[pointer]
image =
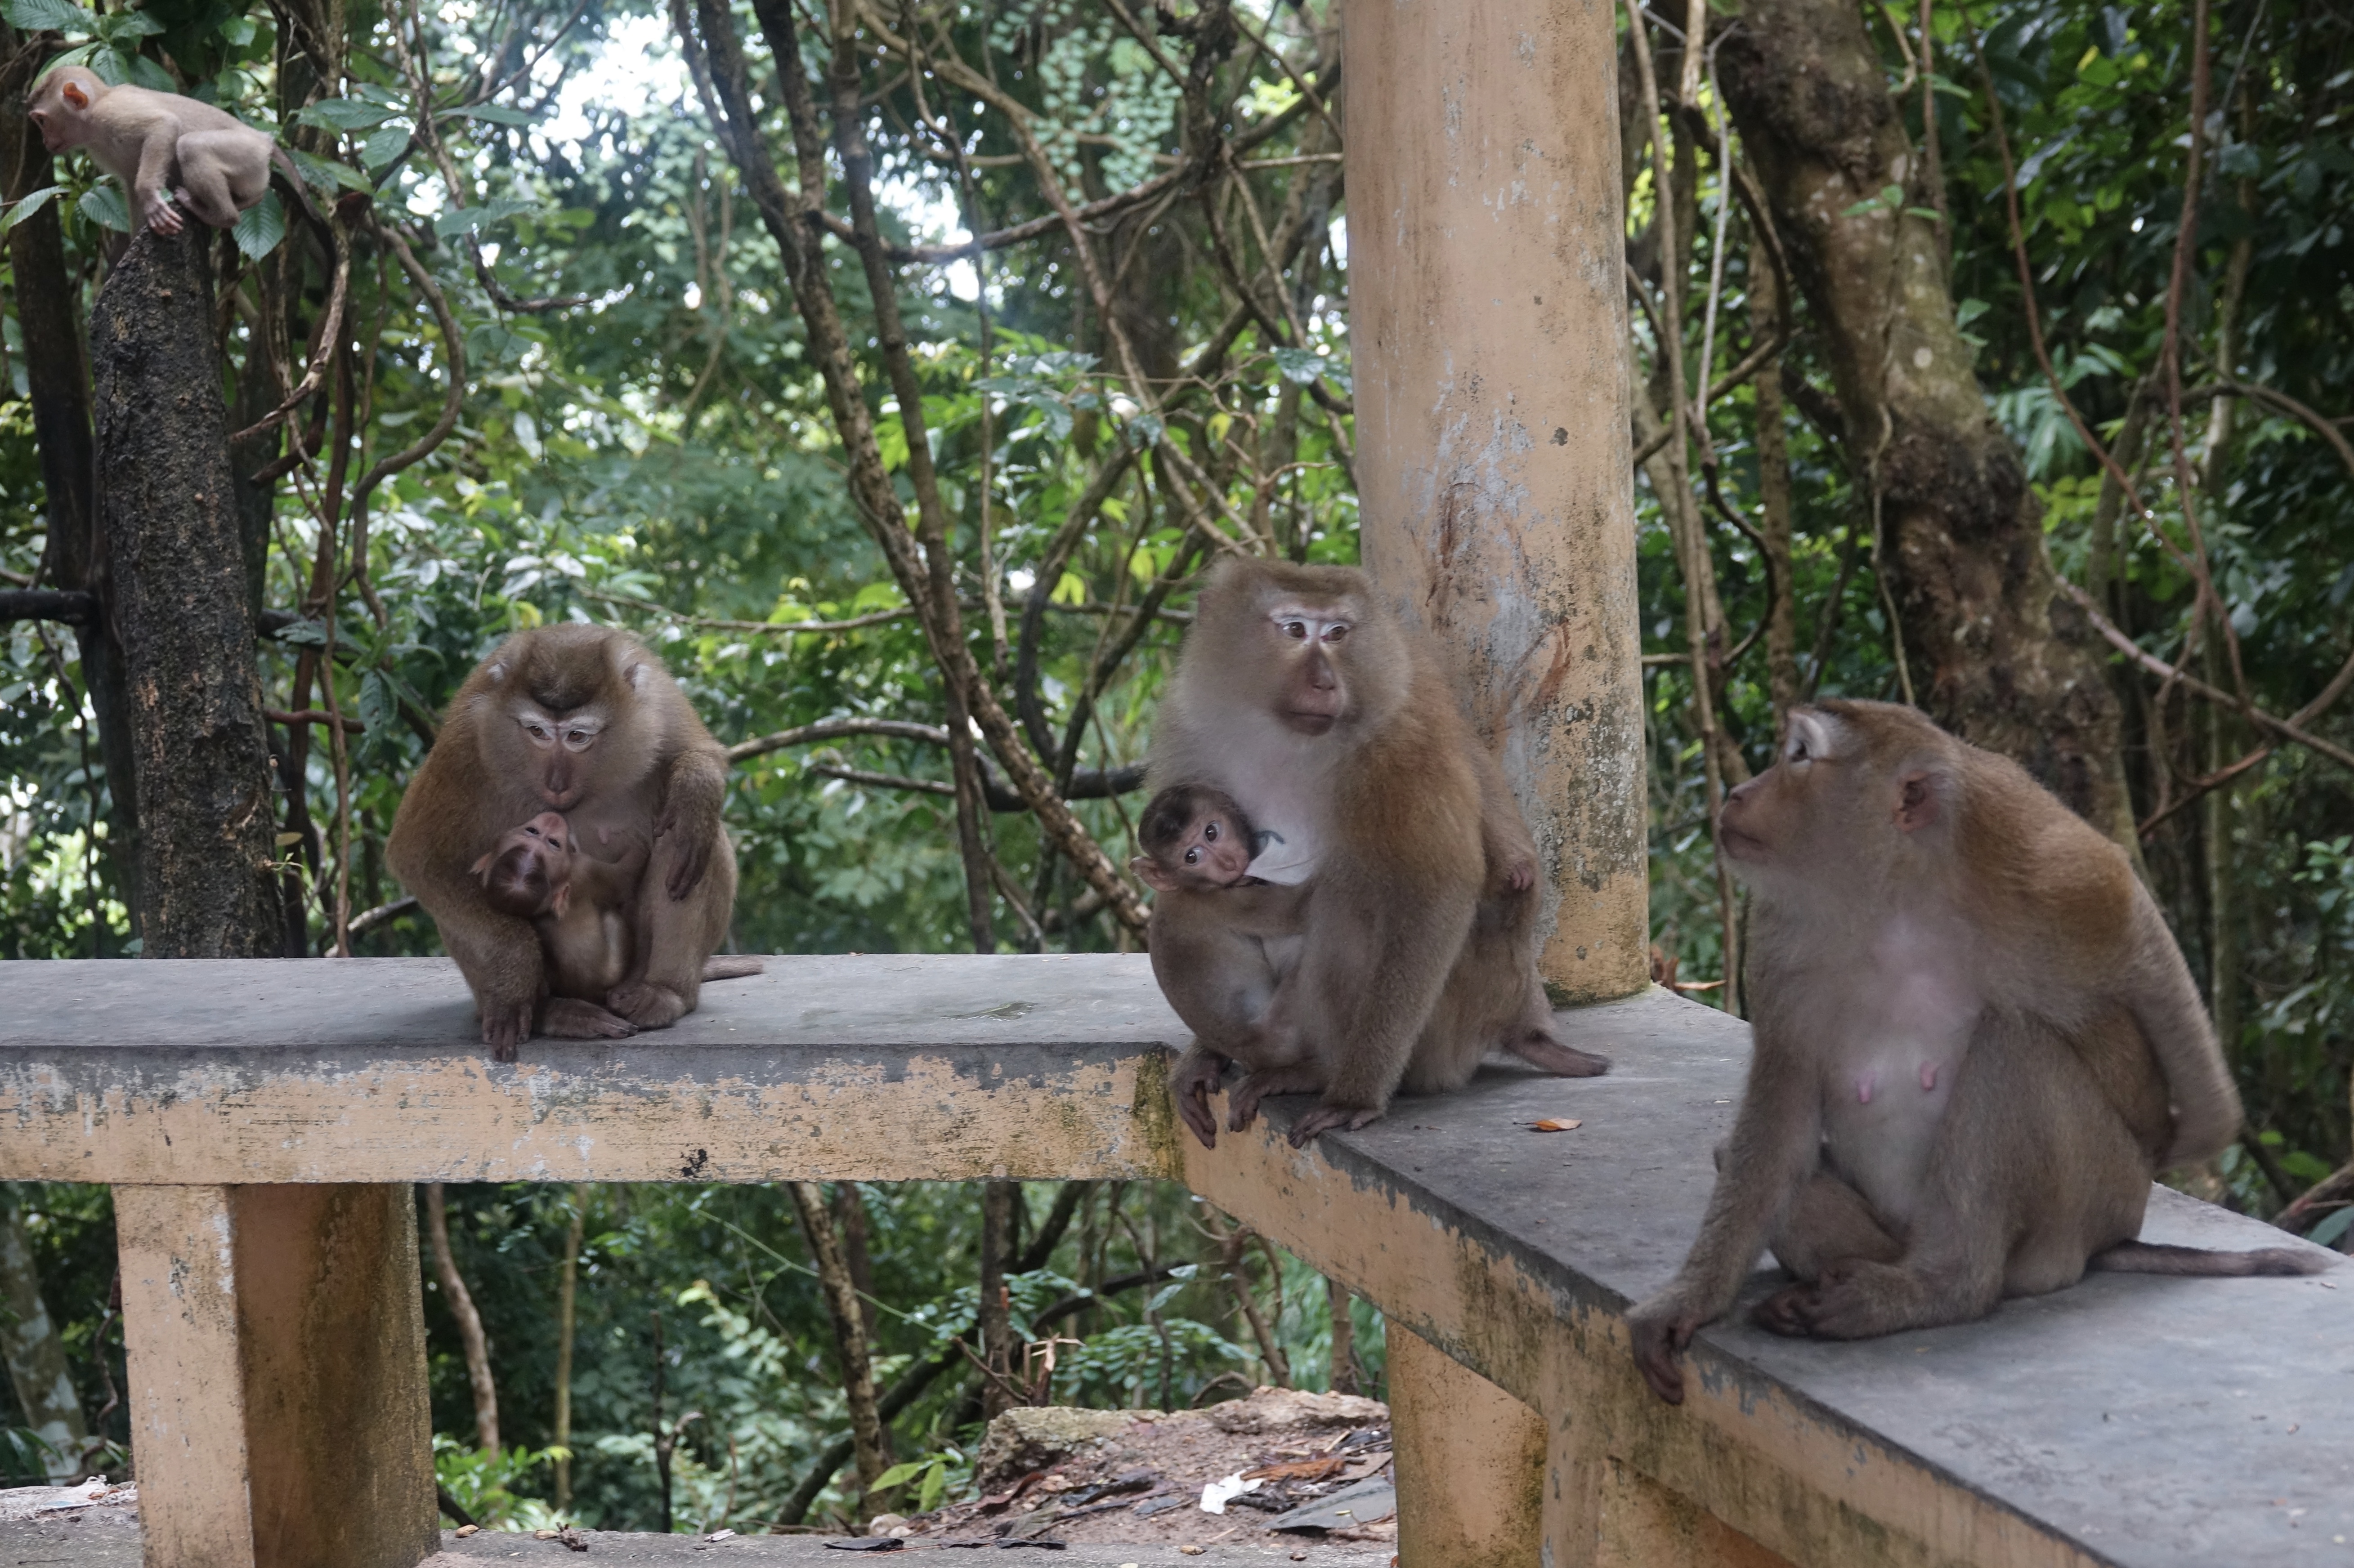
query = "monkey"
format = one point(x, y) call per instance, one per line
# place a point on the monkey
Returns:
point(146, 139)
point(1975, 1045)
point(1220, 939)
point(582, 908)
point(583, 721)
point(1304, 698)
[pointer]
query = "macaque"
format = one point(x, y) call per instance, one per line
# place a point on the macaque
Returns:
point(1221, 939)
point(582, 907)
point(1307, 701)
point(1976, 1043)
point(585, 722)
point(168, 152)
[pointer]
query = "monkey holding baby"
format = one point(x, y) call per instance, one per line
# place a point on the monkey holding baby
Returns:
point(168, 152)
point(1976, 1044)
point(1397, 943)
point(563, 833)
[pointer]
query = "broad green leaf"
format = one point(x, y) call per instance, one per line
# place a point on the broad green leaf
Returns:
point(103, 206)
point(385, 146)
point(903, 1472)
point(1300, 365)
point(377, 705)
point(127, 28)
point(305, 634)
point(260, 227)
point(1145, 431)
point(496, 113)
point(48, 16)
point(109, 65)
point(344, 114)
point(327, 173)
point(475, 219)
point(19, 211)
point(140, 71)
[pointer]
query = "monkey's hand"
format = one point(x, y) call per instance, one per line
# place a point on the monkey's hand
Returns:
point(163, 218)
point(1516, 874)
point(1325, 1119)
point(1661, 1328)
point(1193, 1081)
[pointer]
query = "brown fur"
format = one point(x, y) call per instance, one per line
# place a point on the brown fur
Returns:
point(1419, 951)
point(154, 142)
point(1926, 920)
point(626, 754)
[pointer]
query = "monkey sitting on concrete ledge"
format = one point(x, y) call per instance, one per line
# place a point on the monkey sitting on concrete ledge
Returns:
point(1976, 1043)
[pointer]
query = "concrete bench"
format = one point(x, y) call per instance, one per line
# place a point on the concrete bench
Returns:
point(262, 1120)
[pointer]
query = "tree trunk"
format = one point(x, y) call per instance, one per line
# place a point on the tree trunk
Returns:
point(1345, 1376)
point(1997, 657)
point(176, 567)
point(56, 375)
point(1767, 314)
point(470, 1322)
point(567, 1297)
point(996, 1322)
point(868, 1441)
point(34, 1353)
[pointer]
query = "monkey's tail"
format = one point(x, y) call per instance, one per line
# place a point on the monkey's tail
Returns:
point(2151, 1257)
point(731, 969)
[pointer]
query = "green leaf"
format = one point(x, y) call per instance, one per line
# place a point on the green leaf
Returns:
point(305, 634)
point(903, 1472)
point(239, 31)
point(344, 114)
point(377, 705)
point(103, 206)
point(140, 71)
point(936, 1481)
point(385, 146)
point(109, 65)
point(19, 211)
point(2331, 1228)
point(496, 113)
point(327, 173)
point(48, 16)
point(474, 219)
point(127, 28)
point(260, 227)
point(1300, 365)
point(1145, 431)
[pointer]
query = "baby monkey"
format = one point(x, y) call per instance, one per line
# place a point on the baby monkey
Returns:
point(581, 907)
point(1221, 940)
point(160, 145)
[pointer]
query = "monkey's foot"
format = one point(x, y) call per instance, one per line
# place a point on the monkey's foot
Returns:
point(570, 1018)
point(1242, 1101)
point(1541, 1050)
point(1788, 1312)
point(163, 218)
point(1857, 1298)
point(1324, 1119)
point(647, 1005)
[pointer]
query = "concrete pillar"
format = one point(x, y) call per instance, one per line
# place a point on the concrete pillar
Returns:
point(1487, 336)
point(1469, 1464)
point(276, 1339)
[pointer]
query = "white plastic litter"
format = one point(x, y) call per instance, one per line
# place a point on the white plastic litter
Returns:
point(1218, 1494)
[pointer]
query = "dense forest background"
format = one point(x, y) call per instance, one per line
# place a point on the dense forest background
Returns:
point(895, 369)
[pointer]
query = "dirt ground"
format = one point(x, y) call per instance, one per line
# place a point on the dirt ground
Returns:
point(1137, 1476)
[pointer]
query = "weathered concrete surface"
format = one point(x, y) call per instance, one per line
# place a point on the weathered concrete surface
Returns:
point(2183, 1422)
point(1470, 1460)
point(871, 1069)
point(113, 1542)
point(1487, 315)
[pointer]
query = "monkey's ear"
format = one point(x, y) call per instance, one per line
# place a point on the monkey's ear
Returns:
point(634, 672)
point(482, 867)
point(73, 94)
point(1917, 801)
point(496, 672)
point(563, 897)
point(1148, 872)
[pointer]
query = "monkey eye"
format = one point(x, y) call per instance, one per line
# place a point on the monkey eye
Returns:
point(1210, 832)
point(578, 739)
point(1192, 857)
point(1337, 631)
point(1797, 751)
point(540, 734)
point(1295, 629)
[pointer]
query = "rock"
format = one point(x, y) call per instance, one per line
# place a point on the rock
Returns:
point(1024, 1439)
point(1283, 1409)
point(885, 1523)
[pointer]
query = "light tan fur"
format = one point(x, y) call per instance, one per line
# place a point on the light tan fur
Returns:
point(582, 720)
point(1976, 1044)
point(1306, 700)
point(159, 145)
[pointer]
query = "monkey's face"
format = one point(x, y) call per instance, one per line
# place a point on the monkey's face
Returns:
point(562, 748)
point(1311, 693)
point(529, 872)
point(61, 108)
point(1773, 819)
point(1212, 854)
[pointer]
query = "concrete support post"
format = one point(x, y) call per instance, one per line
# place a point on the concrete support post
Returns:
point(276, 1340)
point(1470, 1460)
point(1488, 335)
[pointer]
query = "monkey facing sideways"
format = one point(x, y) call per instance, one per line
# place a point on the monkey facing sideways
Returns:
point(1305, 700)
point(1976, 1043)
point(161, 146)
point(1220, 941)
point(585, 722)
